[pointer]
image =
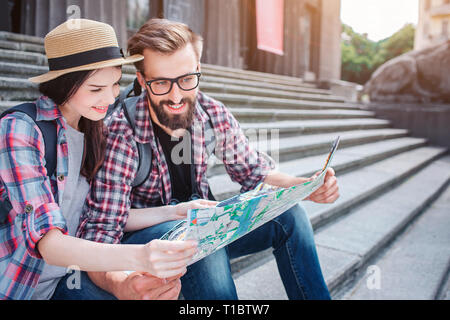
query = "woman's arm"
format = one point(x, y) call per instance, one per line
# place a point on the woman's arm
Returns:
point(143, 218)
point(160, 258)
point(62, 250)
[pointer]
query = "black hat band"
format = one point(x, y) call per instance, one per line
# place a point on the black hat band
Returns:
point(85, 58)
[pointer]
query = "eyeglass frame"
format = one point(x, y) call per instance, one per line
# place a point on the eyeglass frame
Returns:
point(172, 81)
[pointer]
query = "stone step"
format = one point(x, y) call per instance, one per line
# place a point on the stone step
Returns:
point(367, 182)
point(213, 78)
point(301, 127)
point(257, 115)
point(12, 89)
point(28, 44)
point(249, 115)
point(23, 58)
point(216, 76)
point(236, 89)
point(8, 104)
point(346, 159)
point(18, 37)
point(415, 266)
point(244, 101)
point(14, 38)
point(21, 46)
point(347, 244)
point(254, 75)
point(317, 124)
point(25, 71)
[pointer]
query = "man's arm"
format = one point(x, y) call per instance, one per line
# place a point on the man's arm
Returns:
point(327, 193)
point(249, 167)
point(137, 286)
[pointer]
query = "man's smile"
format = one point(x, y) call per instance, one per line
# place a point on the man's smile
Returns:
point(177, 108)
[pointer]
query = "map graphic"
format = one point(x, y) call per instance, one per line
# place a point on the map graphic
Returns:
point(214, 228)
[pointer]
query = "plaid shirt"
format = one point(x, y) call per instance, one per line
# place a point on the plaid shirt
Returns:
point(111, 195)
point(34, 197)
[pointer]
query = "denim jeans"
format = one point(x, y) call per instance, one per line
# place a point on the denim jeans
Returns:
point(290, 235)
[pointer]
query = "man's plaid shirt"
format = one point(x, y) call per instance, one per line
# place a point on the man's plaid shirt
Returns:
point(111, 195)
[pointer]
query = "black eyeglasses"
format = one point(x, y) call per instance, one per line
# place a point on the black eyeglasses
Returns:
point(185, 82)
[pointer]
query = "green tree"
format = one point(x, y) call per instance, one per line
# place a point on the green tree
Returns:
point(399, 43)
point(362, 56)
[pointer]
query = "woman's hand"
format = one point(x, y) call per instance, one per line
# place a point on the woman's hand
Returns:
point(182, 208)
point(164, 259)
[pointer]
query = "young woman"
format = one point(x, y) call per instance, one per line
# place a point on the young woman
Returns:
point(37, 236)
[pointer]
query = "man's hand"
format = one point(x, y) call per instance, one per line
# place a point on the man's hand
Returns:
point(144, 286)
point(329, 191)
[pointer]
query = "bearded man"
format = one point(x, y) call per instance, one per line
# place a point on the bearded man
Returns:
point(169, 111)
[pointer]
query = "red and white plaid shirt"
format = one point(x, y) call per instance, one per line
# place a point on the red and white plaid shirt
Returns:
point(111, 196)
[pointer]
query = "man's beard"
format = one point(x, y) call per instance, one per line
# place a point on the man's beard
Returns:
point(174, 121)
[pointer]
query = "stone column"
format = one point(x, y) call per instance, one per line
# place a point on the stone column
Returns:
point(41, 16)
point(330, 41)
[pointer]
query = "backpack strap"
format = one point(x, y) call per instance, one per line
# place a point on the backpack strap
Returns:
point(144, 149)
point(211, 140)
point(48, 130)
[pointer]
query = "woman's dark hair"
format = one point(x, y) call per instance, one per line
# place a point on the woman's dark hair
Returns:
point(60, 90)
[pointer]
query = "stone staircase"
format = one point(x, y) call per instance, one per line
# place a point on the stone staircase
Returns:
point(388, 180)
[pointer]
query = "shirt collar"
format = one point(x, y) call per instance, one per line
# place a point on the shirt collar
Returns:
point(46, 109)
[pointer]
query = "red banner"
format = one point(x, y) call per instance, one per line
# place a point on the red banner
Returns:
point(270, 25)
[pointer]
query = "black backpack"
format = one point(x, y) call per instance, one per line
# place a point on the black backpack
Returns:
point(48, 130)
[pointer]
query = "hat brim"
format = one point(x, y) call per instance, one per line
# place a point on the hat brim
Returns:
point(93, 66)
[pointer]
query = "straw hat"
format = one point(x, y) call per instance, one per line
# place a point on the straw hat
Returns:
point(81, 44)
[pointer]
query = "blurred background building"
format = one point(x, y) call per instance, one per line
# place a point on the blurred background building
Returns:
point(312, 29)
point(434, 23)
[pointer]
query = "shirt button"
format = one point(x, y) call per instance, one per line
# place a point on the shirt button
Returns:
point(28, 208)
point(61, 177)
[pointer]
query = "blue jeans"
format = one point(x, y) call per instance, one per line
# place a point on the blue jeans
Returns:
point(290, 235)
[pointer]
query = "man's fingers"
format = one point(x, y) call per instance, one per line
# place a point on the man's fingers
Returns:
point(170, 273)
point(326, 192)
point(327, 197)
point(329, 184)
point(172, 293)
point(170, 290)
point(330, 172)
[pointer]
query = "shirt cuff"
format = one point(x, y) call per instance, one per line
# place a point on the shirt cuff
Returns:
point(38, 221)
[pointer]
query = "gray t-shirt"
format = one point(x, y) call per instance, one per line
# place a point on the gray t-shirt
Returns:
point(71, 204)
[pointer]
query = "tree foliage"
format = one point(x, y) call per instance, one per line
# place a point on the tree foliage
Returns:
point(362, 56)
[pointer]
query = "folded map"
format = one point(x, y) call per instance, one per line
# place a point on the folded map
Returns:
point(214, 228)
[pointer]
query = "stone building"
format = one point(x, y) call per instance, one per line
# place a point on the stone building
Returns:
point(311, 29)
point(434, 23)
